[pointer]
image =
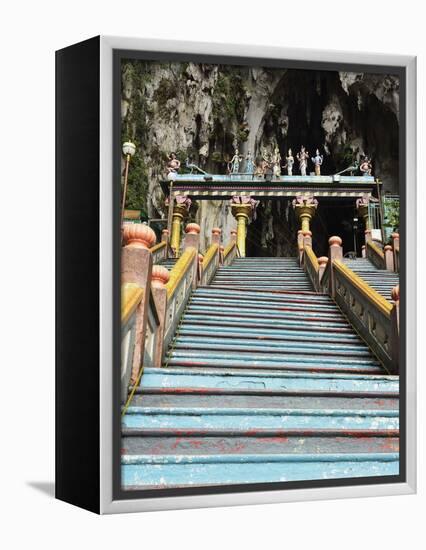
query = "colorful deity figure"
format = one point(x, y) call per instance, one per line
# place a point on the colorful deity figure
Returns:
point(276, 163)
point(317, 160)
point(366, 166)
point(266, 164)
point(302, 157)
point(289, 163)
point(250, 166)
point(172, 166)
point(235, 162)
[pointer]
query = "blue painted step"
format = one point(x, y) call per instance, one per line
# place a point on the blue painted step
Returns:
point(380, 279)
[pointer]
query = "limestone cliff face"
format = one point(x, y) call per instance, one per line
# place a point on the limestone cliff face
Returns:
point(203, 111)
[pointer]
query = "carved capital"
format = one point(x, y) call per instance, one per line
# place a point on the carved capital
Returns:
point(181, 207)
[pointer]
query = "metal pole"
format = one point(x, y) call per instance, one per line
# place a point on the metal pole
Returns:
point(382, 216)
point(126, 175)
point(170, 213)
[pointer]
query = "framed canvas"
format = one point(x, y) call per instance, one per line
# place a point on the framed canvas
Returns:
point(236, 274)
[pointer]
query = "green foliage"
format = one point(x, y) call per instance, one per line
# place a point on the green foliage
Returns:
point(228, 96)
point(391, 214)
point(135, 128)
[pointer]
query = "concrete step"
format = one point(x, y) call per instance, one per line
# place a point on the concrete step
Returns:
point(258, 380)
point(180, 470)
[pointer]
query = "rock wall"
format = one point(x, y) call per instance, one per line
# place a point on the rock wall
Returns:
point(203, 111)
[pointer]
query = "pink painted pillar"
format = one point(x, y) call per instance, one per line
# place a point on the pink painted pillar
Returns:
point(307, 238)
point(322, 265)
point(395, 329)
point(335, 252)
point(395, 246)
point(221, 255)
point(300, 246)
point(159, 277)
point(192, 239)
point(216, 232)
point(389, 260)
point(368, 236)
point(136, 267)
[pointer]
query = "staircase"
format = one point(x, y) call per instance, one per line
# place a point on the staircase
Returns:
point(380, 279)
point(169, 263)
point(265, 381)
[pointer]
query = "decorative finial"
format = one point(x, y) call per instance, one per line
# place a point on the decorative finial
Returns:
point(138, 235)
point(159, 276)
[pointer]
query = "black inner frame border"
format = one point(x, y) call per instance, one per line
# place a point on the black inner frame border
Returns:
point(118, 57)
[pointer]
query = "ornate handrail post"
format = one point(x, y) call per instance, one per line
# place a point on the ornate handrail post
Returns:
point(363, 251)
point(305, 207)
point(136, 267)
point(322, 264)
point(216, 233)
point(242, 208)
point(395, 329)
point(395, 247)
point(180, 213)
point(300, 246)
point(335, 252)
point(221, 255)
point(307, 238)
point(200, 267)
point(159, 277)
point(192, 239)
point(368, 236)
point(389, 259)
point(233, 237)
point(165, 234)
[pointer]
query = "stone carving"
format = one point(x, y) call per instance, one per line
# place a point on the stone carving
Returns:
point(173, 166)
point(276, 163)
point(366, 166)
point(183, 201)
point(305, 200)
point(244, 199)
point(363, 201)
point(302, 156)
point(289, 163)
point(317, 160)
point(250, 166)
point(235, 162)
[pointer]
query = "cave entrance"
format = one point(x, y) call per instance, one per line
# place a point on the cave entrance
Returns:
point(273, 233)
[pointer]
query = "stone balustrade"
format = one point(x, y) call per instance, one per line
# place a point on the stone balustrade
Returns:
point(375, 319)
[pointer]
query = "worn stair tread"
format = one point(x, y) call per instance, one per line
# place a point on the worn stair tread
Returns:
point(213, 400)
point(213, 445)
point(269, 335)
point(240, 319)
point(278, 348)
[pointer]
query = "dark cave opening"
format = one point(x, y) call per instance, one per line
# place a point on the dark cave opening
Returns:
point(274, 231)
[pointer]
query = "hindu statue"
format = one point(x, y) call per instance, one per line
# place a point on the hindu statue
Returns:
point(250, 166)
point(302, 157)
point(289, 163)
point(366, 166)
point(276, 163)
point(317, 161)
point(172, 166)
point(235, 162)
